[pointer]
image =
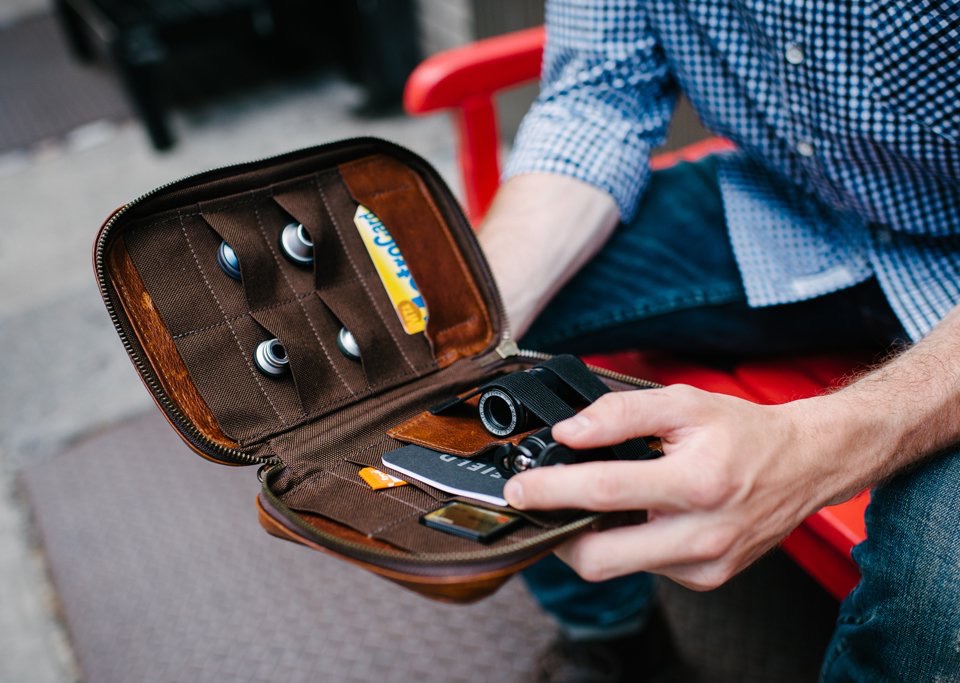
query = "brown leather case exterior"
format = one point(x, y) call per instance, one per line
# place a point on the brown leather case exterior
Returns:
point(191, 330)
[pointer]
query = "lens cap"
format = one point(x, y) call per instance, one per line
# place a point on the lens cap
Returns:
point(228, 261)
point(347, 344)
point(271, 358)
point(296, 244)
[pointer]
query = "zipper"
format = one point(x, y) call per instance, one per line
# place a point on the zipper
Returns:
point(196, 439)
point(193, 435)
point(508, 348)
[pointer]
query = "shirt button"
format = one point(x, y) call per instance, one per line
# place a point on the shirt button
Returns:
point(794, 54)
point(805, 149)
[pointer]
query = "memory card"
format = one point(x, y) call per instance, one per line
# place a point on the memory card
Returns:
point(471, 521)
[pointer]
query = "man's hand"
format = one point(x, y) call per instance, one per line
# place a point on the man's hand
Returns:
point(735, 478)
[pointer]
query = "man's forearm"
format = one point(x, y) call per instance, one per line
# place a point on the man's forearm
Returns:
point(540, 230)
point(898, 414)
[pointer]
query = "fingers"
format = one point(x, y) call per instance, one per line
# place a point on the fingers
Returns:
point(622, 415)
point(602, 486)
point(676, 546)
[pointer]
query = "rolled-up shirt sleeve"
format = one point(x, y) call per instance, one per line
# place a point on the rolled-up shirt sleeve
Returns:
point(605, 100)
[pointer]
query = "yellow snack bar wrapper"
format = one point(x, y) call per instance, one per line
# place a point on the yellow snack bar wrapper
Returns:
point(392, 269)
point(379, 480)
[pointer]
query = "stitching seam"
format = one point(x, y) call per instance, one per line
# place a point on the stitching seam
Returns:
point(246, 360)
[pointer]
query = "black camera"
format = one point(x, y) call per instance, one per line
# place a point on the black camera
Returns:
point(541, 450)
point(503, 413)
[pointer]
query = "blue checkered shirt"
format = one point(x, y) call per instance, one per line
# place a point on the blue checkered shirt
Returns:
point(846, 118)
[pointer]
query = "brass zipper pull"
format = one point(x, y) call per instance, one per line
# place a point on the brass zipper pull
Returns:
point(507, 349)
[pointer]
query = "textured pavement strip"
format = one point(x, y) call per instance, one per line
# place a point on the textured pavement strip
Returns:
point(33, 645)
point(64, 372)
point(185, 586)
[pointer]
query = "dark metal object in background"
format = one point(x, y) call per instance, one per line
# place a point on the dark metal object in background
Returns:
point(155, 46)
point(380, 45)
point(138, 37)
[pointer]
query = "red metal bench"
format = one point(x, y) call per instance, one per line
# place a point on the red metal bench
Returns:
point(464, 82)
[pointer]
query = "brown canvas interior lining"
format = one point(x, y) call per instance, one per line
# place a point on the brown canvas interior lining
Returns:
point(144, 327)
point(217, 322)
point(322, 460)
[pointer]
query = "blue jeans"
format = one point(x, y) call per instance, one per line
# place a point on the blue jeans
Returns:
point(668, 280)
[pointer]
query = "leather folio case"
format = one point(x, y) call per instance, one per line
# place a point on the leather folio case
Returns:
point(191, 331)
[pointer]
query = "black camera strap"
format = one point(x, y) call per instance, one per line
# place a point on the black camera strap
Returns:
point(535, 396)
point(575, 374)
point(527, 388)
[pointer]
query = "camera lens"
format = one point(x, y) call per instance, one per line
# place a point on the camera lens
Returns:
point(228, 261)
point(540, 450)
point(271, 358)
point(501, 414)
point(296, 244)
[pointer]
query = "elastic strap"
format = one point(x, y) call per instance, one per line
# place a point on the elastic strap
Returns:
point(535, 396)
point(575, 374)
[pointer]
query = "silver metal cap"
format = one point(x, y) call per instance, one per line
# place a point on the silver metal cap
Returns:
point(296, 244)
point(271, 358)
point(498, 412)
point(228, 261)
point(347, 344)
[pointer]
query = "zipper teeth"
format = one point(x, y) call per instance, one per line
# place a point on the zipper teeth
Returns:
point(195, 436)
point(610, 374)
point(542, 540)
point(146, 372)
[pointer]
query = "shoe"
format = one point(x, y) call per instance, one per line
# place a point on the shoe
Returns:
point(648, 656)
